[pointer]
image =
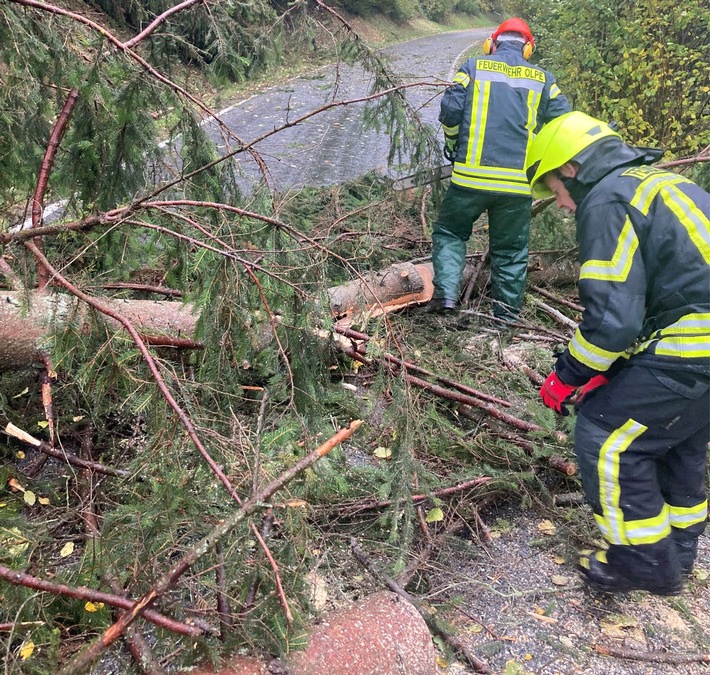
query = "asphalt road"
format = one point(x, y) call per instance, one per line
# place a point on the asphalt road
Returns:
point(333, 146)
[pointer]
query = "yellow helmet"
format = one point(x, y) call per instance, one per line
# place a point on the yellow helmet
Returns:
point(558, 142)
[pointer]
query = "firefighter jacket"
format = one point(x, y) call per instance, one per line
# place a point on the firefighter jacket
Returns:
point(496, 105)
point(644, 281)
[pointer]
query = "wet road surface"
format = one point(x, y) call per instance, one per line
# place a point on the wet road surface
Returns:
point(333, 146)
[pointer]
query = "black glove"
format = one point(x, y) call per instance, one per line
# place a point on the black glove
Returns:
point(451, 147)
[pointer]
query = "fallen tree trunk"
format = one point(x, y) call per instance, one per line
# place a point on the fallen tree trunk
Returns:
point(27, 319)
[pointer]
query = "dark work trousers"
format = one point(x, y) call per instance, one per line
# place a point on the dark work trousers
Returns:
point(642, 443)
point(508, 231)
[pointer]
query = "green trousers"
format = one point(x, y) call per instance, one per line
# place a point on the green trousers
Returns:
point(508, 231)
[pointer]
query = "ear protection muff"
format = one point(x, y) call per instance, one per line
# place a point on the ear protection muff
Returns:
point(489, 47)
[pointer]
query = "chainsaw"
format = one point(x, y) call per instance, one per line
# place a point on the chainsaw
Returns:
point(425, 177)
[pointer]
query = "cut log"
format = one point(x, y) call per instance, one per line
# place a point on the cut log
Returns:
point(27, 319)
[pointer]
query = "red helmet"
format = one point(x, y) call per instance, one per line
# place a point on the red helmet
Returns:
point(514, 26)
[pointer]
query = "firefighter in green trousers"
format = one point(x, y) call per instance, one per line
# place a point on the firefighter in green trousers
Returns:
point(641, 353)
point(489, 116)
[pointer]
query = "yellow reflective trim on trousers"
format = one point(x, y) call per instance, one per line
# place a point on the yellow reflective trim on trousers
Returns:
point(608, 472)
point(451, 131)
point(691, 218)
point(685, 516)
point(462, 78)
point(590, 355)
point(649, 530)
point(618, 268)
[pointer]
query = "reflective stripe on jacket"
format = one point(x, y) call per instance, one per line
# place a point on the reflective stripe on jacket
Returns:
point(495, 107)
point(644, 237)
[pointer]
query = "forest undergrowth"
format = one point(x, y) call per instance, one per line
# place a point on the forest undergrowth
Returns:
point(211, 481)
point(88, 529)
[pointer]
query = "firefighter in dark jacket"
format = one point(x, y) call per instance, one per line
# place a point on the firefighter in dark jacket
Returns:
point(489, 116)
point(641, 353)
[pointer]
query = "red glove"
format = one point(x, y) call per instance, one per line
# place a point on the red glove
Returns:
point(555, 392)
point(597, 381)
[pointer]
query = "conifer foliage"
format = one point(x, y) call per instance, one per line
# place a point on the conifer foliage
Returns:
point(168, 444)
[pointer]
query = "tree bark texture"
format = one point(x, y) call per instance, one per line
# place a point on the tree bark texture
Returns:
point(26, 319)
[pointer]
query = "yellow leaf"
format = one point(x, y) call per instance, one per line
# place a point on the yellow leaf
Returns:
point(43, 500)
point(442, 662)
point(3, 504)
point(435, 515)
point(559, 560)
point(700, 574)
point(93, 606)
point(29, 497)
point(12, 541)
point(43, 424)
point(26, 650)
point(23, 392)
point(20, 454)
point(67, 549)
point(546, 527)
point(78, 418)
point(475, 628)
point(382, 453)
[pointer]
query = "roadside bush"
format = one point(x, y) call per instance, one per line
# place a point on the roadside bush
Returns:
point(642, 64)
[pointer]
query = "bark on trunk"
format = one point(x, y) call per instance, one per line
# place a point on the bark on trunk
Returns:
point(27, 319)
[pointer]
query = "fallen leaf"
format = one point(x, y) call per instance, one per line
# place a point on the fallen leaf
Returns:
point(20, 454)
point(78, 418)
point(620, 626)
point(547, 527)
point(435, 515)
point(15, 485)
point(442, 662)
point(22, 393)
point(26, 650)
point(559, 560)
point(67, 549)
point(93, 606)
point(43, 500)
point(29, 497)
point(43, 424)
point(559, 580)
point(12, 541)
point(475, 628)
point(382, 453)
point(700, 574)
point(294, 503)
